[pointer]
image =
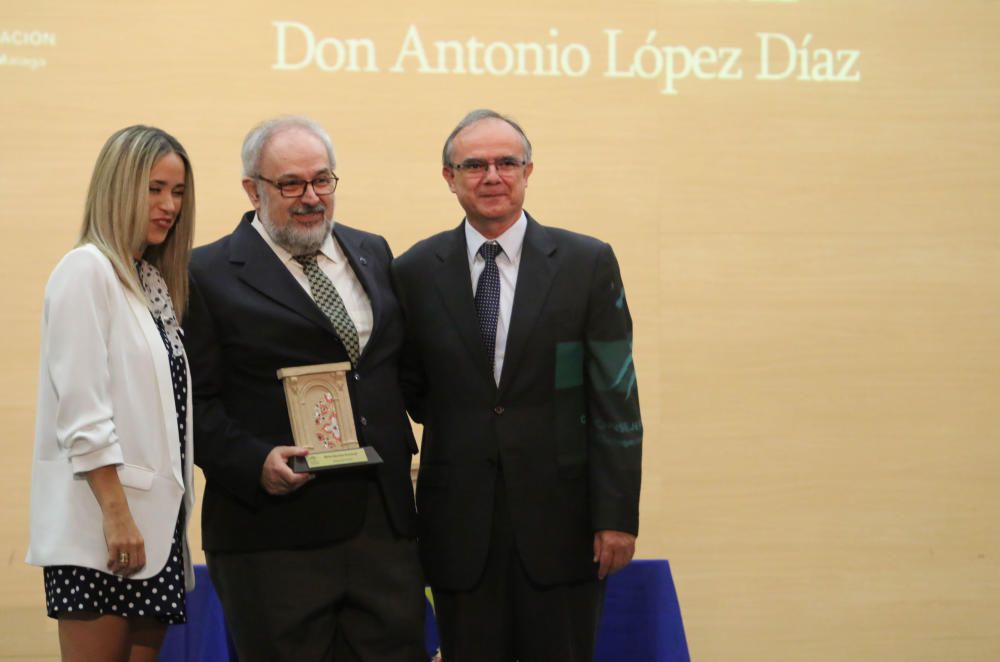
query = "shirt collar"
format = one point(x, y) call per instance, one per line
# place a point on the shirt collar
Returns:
point(510, 241)
point(330, 248)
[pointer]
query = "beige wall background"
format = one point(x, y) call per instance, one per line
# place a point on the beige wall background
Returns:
point(813, 265)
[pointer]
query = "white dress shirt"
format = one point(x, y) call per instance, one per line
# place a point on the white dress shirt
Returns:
point(333, 262)
point(508, 262)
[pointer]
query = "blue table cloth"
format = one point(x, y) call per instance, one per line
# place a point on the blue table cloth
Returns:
point(641, 621)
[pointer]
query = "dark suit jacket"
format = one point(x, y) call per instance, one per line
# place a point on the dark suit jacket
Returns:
point(564, 422)
point(249, 317)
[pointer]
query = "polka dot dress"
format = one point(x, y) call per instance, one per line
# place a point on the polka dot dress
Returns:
point(74, 589)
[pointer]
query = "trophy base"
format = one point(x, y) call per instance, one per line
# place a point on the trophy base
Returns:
point(340, 459)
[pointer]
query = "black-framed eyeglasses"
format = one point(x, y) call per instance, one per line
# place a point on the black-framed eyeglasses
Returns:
point(506, 166)
point(296, 188)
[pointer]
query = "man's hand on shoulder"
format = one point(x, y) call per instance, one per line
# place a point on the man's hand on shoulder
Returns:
point(612, 551)
point(276, 477)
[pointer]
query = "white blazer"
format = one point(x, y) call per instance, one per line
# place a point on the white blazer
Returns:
point(104, 398)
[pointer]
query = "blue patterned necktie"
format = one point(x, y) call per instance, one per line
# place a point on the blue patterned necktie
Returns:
point(488, 299)
point(326, 297)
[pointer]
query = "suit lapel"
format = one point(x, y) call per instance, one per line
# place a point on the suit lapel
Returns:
point(164, 381)
point(359, 256)
point(534, 279)
point(454, 283)
point(263, 271)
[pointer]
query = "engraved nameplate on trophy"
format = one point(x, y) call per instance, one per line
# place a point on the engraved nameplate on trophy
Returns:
point(319, 408)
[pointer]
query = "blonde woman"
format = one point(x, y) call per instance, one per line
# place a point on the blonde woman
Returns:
point(111, 482)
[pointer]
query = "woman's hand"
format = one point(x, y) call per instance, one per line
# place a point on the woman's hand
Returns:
point(126, 547)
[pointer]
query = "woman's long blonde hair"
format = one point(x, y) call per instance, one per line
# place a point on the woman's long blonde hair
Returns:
point(116, 216)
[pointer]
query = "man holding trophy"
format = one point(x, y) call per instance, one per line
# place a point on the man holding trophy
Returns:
point(318, 561)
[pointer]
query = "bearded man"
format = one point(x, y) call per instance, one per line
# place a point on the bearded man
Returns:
point(307, 566)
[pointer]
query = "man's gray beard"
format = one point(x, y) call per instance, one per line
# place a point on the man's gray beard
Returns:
point(295, 240)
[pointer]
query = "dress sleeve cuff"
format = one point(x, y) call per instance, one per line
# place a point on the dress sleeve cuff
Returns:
point(102, 457)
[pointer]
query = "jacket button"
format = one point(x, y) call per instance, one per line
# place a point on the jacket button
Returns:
point(498, 410)
point(364, 421)
point(357, 377)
